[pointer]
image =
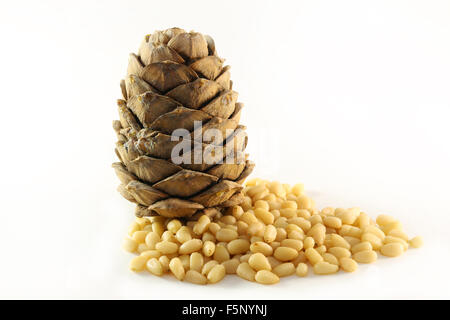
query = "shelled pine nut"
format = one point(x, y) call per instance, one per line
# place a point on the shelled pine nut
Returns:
point(275, 232)
point(323, 268)
point(284, 269)
point(259, 262)
point(246, 272)
point(195, 277)
point(348, 264)
point(216, 274)
point(155, 267)
point(365, 256)
point(416, 242)
point(266, 277)
point(177, 268)
point(393, 249)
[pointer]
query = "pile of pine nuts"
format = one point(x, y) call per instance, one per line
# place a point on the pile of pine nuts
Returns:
point(275, 232)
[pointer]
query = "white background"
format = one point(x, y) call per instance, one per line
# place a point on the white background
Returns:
point(350, 97)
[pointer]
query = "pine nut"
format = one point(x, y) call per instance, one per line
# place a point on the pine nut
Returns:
point(270, 233)
point(129, 245)
point(317, 232)
point(238, 246)
point(242, 227)
point(208, 266)
point(304, 224)
point(392, 226)
point(304, 202)
point(365, 256)
point(245, 257)
point(190, 246)
point(177, 268)
point(363, 220)
point(195, 277)
point(155, 267)
point(296, 235)
point(164, 260)
point(313, 256)
point(226, 235)
point(261, 247)
point(208, 236)
point(315, 219)
point(302, 270)
point(151, 254)
point(185, 261)
point(338, 241)
point(137, 264)
point(221, 254)
point(273, 262)
point(308, 243)
point(416, 242)
point(284, 269)
point(398, 234)
point(339, 252)
point(321, 249)
point(246, 272)
point(324, 268)
point(264, 215)
point(281, 234)
point(142, 247)
point(237, 212)
point(266, 277)
point(168, 236)
point(332, 222)
point(216, 274)
point(383, 219)
point(328, 257)
point(208, 248)
point(393, 249)
point(362, 246)
point(285, 253)
point(347, 230)
point(249, 218)
point(352, 240)
point(348, 264)
point(298, 189)
point(303, 213)
point(373, 239)
point(253, 191)
point(139, 236)
point(174, 225)
point(231, 266)
point(259, 262)
point(213, 228)
point(133, 228)
point(328, 211)
point(262, 204)
point(202, 225)
point(274, 205)
point(196, 262)
point(376, 231)
point(152, 239)
point(166, 247)
point(276, 213)
point(292, 243)
point(183, 234)
point(158, 227)
point(390, 239)
point(228, 220)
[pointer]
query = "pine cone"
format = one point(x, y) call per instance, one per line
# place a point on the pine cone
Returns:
point(177, 81)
